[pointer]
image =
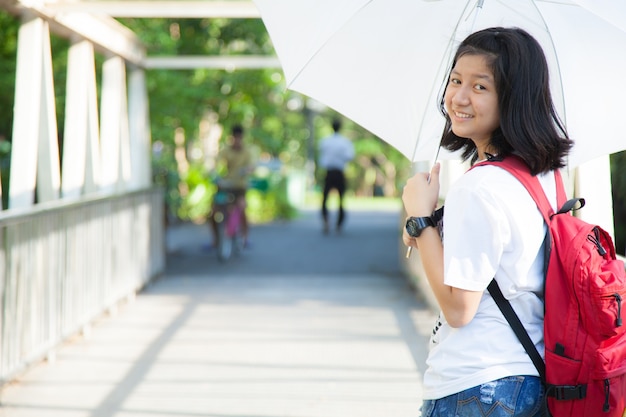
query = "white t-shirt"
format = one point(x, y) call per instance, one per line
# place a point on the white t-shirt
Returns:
point(492, 227)
point(335, 151)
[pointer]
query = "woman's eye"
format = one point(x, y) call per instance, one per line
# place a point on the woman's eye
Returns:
point(455, 81)
point(479, 87)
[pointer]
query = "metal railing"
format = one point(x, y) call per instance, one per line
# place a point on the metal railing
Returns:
point(64, 264)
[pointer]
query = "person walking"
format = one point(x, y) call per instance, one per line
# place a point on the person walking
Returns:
point(335, 152)
point(496, 103)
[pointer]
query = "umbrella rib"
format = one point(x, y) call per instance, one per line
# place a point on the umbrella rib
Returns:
point(322, 47)
point(479, 7)
point(447, 53)
point(558, 68)
point(558, 63)
point(556, 55)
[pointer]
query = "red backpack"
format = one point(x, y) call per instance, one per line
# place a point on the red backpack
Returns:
point(584, 333)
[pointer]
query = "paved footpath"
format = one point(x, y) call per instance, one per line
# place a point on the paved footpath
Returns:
point(302, 325)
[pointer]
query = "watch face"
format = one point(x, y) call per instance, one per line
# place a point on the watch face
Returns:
point(415, 225)
point(411, 227)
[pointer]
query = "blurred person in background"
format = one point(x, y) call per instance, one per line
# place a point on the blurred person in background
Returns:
point(335, 151)
point(235, 163)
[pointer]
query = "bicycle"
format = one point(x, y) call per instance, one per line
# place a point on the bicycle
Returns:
point(227, 217)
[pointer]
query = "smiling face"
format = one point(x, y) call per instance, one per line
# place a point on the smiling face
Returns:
point(471, 101)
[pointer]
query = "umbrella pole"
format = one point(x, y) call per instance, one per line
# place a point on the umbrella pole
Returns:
point(479, 7)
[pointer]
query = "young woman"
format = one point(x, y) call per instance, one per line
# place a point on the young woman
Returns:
point(496, 103)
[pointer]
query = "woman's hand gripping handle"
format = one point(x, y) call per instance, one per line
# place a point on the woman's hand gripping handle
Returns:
point(420, 196)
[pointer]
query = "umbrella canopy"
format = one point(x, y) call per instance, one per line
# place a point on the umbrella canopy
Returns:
point(383, 63)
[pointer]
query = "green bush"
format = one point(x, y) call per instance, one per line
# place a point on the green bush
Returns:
point(618, 181)
point(267, 197)
point(267, 200)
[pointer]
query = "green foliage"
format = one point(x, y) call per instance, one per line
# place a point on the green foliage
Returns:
point(272, 204)
point(276, 120)
point(9, 26)
point(267, 197)
point(618, 182)
point(59, 48)
point(181, 98)
point(197, 203)
point(8, 48)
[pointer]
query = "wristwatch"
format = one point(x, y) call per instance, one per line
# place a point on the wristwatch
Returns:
point(415, 225)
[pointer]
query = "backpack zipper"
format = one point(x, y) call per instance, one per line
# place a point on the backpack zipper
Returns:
point(595, 239)
point(618, 299)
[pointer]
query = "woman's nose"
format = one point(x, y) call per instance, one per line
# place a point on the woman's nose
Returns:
point(460, 96)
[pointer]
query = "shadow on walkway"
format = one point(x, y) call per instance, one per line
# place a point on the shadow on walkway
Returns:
point(302, 324)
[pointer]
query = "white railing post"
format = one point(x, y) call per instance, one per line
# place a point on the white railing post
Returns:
point(35, 152)
point(139, 127)
point(81, 150)
point(114, 136)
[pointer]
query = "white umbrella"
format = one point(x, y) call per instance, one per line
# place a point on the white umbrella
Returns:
point(382, 63)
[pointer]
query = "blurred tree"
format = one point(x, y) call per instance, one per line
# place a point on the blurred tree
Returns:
point(8, 51)
point(181, 99)
point(618, 182)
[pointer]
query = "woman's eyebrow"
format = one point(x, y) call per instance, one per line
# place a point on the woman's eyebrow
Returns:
point(484, 76)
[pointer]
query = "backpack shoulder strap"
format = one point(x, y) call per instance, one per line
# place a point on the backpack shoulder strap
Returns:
point(518, 168)
point(518, 328)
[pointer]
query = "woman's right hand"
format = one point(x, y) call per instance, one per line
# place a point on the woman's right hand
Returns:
point(408, 240)
point(421, 193)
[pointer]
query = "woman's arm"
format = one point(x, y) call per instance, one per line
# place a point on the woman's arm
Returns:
point(420, 197)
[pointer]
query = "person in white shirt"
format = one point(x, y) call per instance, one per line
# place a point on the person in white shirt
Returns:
point(335, 152)
point(497, 103)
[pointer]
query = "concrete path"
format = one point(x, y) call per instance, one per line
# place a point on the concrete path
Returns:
point(302, 325)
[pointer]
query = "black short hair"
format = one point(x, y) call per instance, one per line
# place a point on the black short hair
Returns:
point(237, 130)
point(529, 124)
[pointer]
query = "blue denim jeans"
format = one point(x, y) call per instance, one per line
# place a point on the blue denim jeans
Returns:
point(513, 396)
